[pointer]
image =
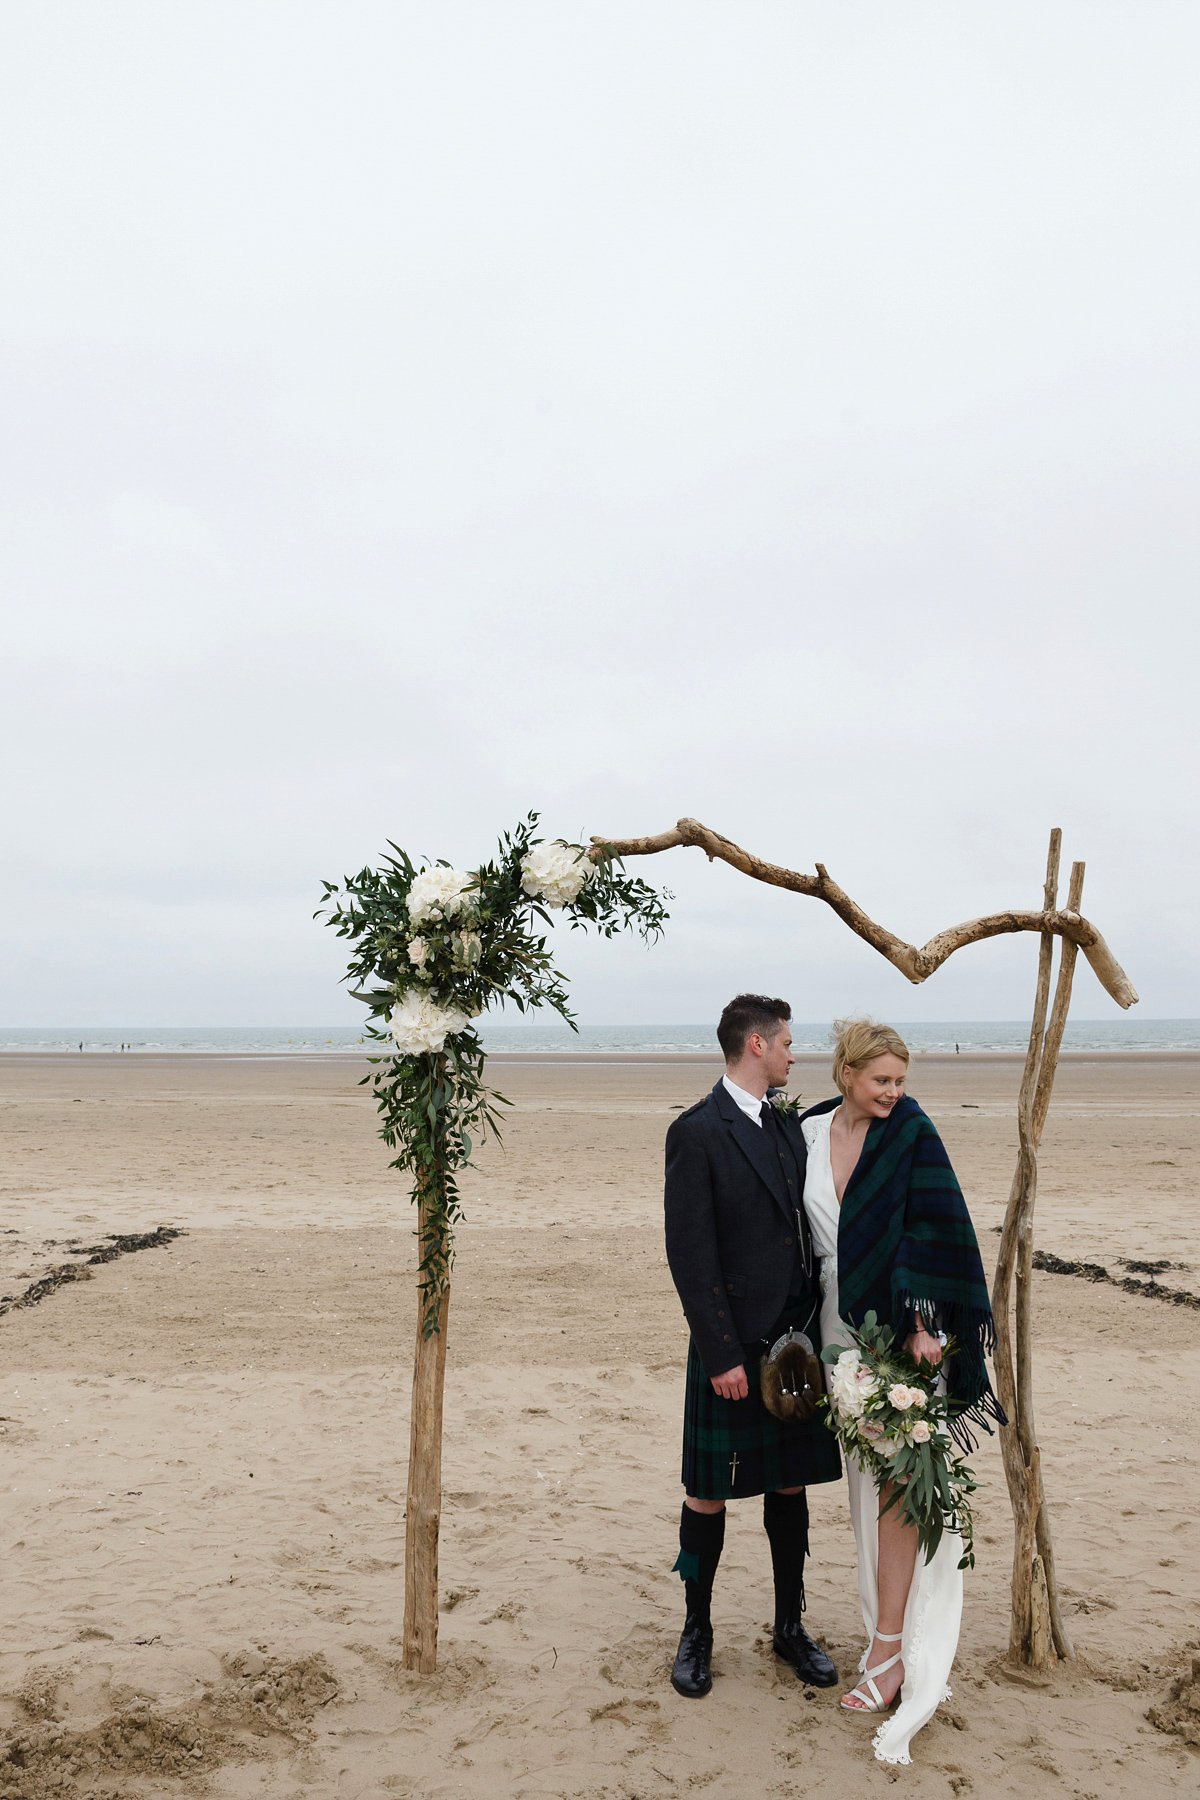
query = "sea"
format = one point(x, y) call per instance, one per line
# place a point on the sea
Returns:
point(1098, 1035)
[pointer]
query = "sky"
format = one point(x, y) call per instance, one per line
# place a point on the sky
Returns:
point(775, 413)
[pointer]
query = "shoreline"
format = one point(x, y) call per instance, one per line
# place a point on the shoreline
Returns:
point(575, 1058)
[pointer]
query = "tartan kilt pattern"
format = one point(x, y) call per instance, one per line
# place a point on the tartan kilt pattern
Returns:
point(770, 1454)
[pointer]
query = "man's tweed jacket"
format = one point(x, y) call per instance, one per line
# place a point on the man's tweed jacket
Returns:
point(731, 1220)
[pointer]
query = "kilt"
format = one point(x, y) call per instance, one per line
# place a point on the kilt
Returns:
point(770, 1453)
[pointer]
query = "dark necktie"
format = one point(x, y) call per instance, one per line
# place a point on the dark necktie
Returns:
point(770, 1125)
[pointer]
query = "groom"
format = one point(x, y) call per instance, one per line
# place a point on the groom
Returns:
point(741, 1258)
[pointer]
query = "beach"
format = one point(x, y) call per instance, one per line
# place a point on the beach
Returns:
point(205, 1448)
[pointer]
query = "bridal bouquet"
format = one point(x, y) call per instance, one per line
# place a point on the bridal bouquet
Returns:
point(887, 1415)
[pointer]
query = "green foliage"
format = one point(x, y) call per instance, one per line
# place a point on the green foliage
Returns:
point(483, 946)
point(929, 1482)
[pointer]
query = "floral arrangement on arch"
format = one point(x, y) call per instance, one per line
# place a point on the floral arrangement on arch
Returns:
point(434, 947)
point(887, 1413)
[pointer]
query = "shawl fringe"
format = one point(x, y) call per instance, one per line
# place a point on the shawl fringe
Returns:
point(986, 1408)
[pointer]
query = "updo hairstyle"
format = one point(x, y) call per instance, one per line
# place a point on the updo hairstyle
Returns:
point(860, 1041)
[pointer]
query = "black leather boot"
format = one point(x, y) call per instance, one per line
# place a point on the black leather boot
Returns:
point(692, 1671)
point(785, 1517)
point(701, 1538)
point(810, 1662)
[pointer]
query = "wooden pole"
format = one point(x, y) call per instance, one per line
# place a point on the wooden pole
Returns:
point(422, 1513)
point(1037, 1629)
point(1041, 1105)
point(1022, 1475)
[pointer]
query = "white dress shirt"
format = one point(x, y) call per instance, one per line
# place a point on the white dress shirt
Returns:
point(750, 1104)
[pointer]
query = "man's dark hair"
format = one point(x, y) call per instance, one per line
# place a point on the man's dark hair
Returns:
point(747, 1014)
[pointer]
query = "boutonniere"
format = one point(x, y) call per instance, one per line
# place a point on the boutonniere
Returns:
point(785, 1104)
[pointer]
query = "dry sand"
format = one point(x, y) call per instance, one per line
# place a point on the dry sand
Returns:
point(204, 1452)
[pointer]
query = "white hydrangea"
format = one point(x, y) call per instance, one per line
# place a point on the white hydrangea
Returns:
point(418, 1024)
point(437, 894)
point(853, 1385)
point(556, 873)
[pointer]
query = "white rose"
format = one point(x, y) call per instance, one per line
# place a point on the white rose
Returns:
point(901, 1397)
point(418, 950)
point(419, 1025)
point(921, 1432)
point(917, 1395)
point(556, 873)
point(437, 894)
point(887, 1446)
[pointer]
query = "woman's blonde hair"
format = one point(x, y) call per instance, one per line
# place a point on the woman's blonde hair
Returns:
point(860, 1041)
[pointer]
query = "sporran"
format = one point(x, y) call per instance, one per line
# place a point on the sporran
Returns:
point(789, 1378)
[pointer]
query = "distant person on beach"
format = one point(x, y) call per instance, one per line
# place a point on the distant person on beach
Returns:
point(741, 1257)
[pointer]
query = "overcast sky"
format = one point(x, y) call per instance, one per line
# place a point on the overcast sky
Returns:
point(784, 414)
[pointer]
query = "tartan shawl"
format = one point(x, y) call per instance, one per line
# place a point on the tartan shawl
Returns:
point(907, 1251)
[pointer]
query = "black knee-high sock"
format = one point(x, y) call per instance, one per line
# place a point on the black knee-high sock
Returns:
point(785, 1517)
point(701, 1538)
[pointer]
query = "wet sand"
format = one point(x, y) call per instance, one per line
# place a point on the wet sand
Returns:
point(205, 1447)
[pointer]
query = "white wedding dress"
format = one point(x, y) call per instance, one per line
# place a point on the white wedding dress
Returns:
point(934, 1610)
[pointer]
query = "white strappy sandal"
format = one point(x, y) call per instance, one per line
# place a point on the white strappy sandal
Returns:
point(874, 1702)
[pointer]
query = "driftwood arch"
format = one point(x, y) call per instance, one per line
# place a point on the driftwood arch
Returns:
point(917, 965)
point(1037, 1633)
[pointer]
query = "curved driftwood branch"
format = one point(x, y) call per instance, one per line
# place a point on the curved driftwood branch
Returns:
point(916, 964)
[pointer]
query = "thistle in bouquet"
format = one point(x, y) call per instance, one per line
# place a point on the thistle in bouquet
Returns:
point(888, 1415)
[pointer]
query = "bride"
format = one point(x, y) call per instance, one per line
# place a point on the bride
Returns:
point(891, 1227)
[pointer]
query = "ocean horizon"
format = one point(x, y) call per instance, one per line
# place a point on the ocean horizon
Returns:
point(1098, 1035)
